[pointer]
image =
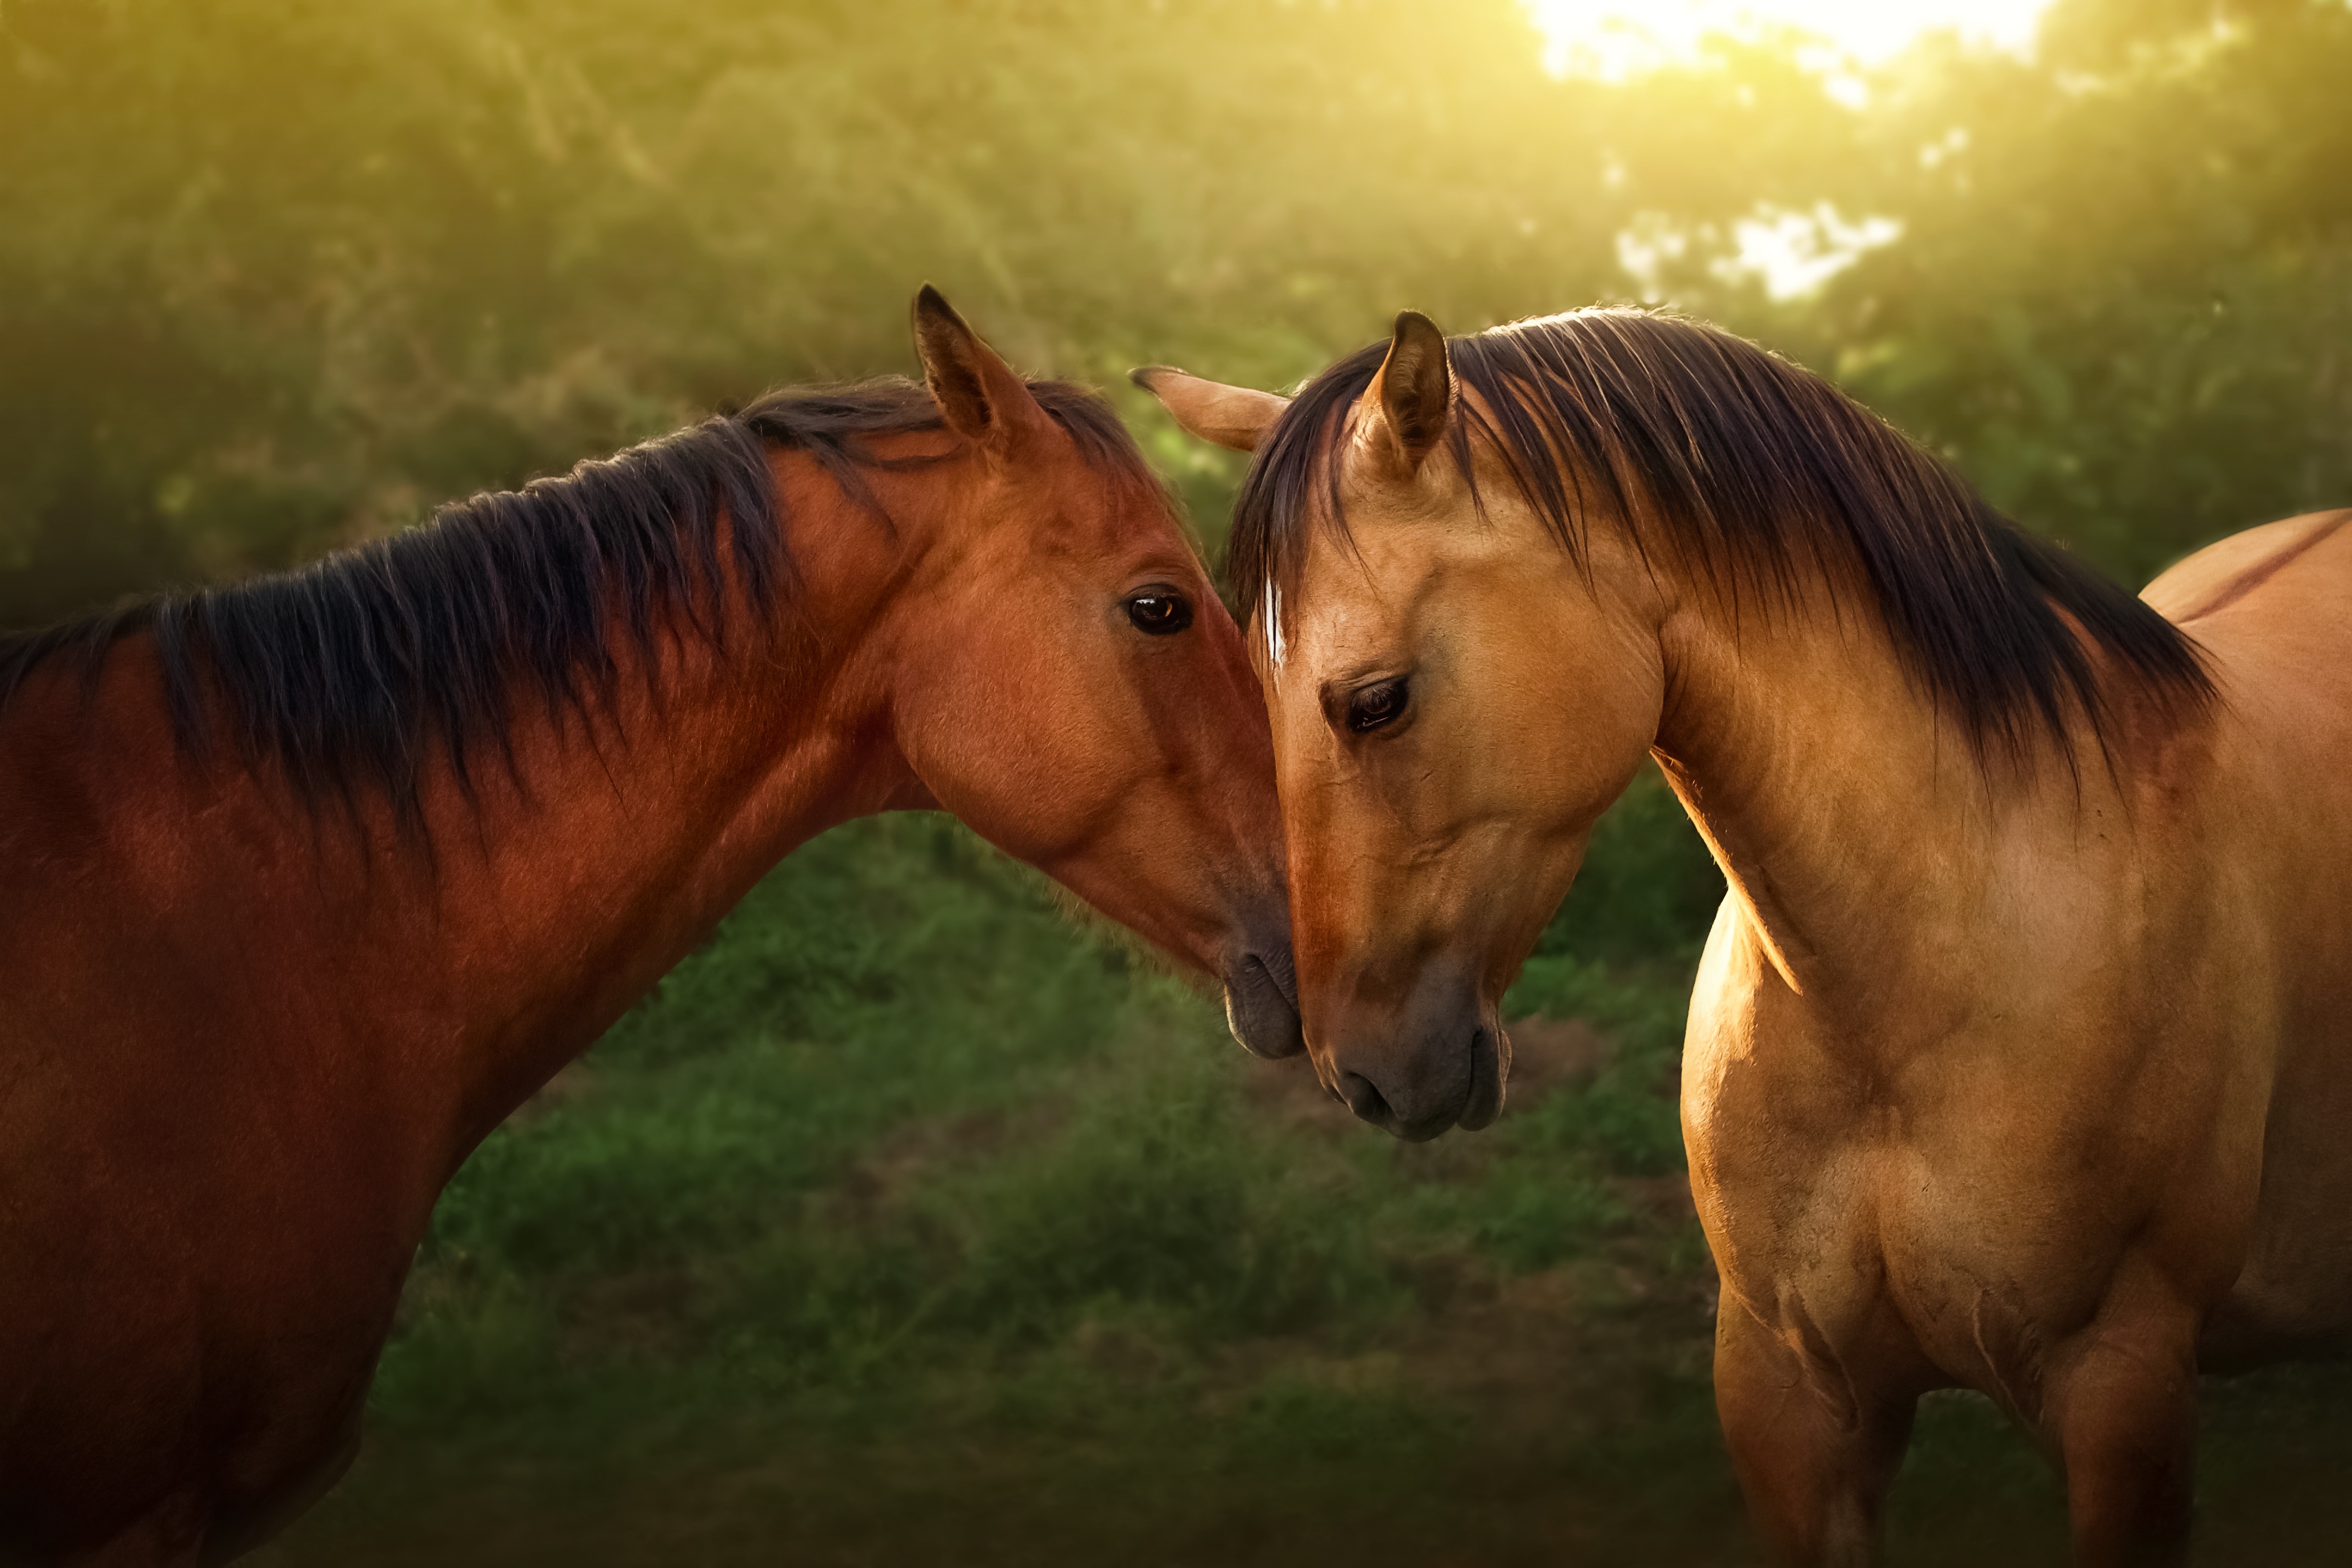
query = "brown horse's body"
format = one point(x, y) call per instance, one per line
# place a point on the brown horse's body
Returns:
point(2020, 1056)
point(242, 1045)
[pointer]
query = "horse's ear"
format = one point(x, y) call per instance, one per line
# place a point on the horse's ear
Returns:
point(979, 396)
point(1414, 391)
point(1234, 417)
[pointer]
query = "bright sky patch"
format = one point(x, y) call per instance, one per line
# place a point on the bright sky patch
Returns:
point(1616, 38)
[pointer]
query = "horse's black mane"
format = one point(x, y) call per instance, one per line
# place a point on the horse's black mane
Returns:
point(349, 670)
point(1749, 463)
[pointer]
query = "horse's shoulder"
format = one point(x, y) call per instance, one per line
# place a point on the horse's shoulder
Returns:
point(1728, 970)
point(1733, 1000)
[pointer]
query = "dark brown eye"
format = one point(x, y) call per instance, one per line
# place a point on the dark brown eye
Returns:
point(1159, 613)
point(1375, 705)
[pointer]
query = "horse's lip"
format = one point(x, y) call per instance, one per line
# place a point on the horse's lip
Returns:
point(1489, 1071)
point(1285, 974)
point(1481, 1102)
point(1262, 1000)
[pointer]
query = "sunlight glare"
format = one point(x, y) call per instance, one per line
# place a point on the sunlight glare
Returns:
point(1616, 38)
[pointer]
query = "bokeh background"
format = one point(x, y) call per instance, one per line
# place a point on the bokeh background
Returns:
point(909, 1223)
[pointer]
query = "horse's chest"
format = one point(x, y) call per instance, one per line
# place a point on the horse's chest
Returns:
point(1784, 1165)
point(1840, 1202)
point(1840, 1242)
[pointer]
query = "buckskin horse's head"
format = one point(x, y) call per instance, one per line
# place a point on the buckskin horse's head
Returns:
point(1410, 626)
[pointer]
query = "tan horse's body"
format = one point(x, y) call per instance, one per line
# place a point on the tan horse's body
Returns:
point(2019, 1066)
point(2042, 1097)
point(242, 1048)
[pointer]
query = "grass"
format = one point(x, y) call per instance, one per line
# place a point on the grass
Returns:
point(905, 1224)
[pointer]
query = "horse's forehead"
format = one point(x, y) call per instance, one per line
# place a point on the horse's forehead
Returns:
point(1377, 595)
point(1061, 500)
point(1045, 482)
point(1384, 554)
point(1348, 610)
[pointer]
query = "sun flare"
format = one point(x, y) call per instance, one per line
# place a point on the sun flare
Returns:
point(1615, 38)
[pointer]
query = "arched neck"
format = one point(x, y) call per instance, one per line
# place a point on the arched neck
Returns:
point(1853, 821)
point(556, 897)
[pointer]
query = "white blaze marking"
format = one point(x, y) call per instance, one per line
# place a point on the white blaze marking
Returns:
point(1270, 612)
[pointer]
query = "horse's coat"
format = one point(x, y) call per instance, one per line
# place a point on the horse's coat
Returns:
point(263, 987)
point(2020, 1055)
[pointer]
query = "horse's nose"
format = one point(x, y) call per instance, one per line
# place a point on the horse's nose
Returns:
point(1414, 1107)
point(1262, 1000)
point(1445, 1072)
point(1365, 1098)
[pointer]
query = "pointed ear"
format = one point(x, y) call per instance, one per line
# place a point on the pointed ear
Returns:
point(1234, 417)
point(979, 396)
point(1413, 391)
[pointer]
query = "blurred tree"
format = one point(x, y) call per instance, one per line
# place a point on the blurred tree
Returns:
point(2122, 300)
point(276, 274)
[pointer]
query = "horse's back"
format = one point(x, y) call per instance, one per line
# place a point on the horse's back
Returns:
point(2272, 607)
point(2259, 599)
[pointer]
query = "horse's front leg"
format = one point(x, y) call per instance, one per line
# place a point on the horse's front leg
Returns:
point(2123, 1413)
point(1814, 1438)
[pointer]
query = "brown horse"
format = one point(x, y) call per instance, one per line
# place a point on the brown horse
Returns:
point(2020, 1056)
point(311, 881)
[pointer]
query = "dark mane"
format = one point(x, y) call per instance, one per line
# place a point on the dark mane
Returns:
point(1742, 464)
point(349, 671)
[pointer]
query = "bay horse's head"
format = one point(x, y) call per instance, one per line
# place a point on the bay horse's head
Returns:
point(1073, 687)
point(1418, 630)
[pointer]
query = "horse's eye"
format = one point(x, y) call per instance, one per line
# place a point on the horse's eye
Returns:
point(1160, 613)
point(1375, 705)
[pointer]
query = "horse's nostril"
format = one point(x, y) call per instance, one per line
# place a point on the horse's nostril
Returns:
point(1363, 1098)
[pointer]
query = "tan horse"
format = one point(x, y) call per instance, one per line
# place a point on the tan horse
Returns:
point(2020, 1056)
point(440, 810)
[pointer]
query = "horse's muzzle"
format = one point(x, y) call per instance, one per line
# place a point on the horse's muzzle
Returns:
point(1445, 1069)
point(1262, 1002)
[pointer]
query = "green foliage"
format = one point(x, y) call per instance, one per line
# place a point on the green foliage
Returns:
point(1547, 1216)
point(2121, 300)
point(262, 291)
point(1647, 888)
point(1155, 1197)
point(784, 1044)
point(2140, 343)
point(899, 1153)
point(897, 1116)
point(818, 1274)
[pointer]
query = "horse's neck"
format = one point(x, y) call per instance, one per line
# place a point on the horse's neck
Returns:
point(561, 892)
point(1860, 837)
